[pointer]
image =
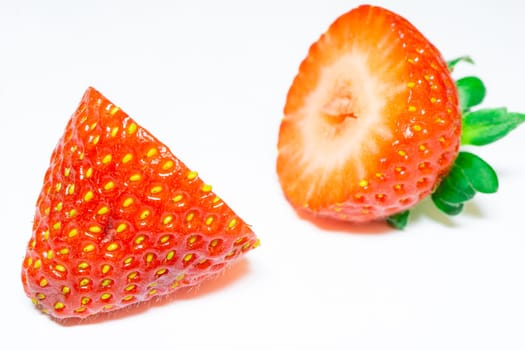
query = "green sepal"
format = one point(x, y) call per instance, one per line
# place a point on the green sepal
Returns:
point(447, 208)
point(452, 63)
point(455, 188)
point(471, 92)
point(480, 174)
point(485, 126)
point(468, 175)
point(399, 220)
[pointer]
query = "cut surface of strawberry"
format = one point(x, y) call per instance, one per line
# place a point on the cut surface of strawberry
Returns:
point(371, 122)
point(121, 220)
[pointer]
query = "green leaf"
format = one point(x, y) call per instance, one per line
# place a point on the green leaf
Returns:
point(471, 92)
point(485, 126)
point(480, 174)
point(455, 188)
point(447, 208)
point(399, 220)
point(452, 63)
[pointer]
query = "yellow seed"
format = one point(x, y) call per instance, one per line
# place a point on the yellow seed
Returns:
point(127, 298)
point(95, 140)
point(363, 183)
point(179, 277)
point(164, 238)
point(67, 171)
point(49, 254)
point(57, 225)
point(66, 290)
point(121, 227)
point(422, 148)
point(40, 296)
point(145, 213)
point(114, 131)
point(59, 206)
point(38, 264)
point(130, 287)
point(88, 248)
point(411, 84)
point(72, 233)
point(105, 268)
point(190, 216)
point(232, 223)
point(112, 247)
point(107, 159)
point(109, 185)
point(192, 175)
point(93, 126)
point(84, 282)
point(216, 199)
point(95, 229)
point(187, 257)
point(412, 108)
point(59, 305)
point(153, 291)
point(132, 276)
point(174, 285)
point(209, 220)
point(152, 152)
point(160, 272)
point(149, 257)
point(167, 219)
point(72, 213)
point(85, 300)
point(127, 158)
point(156, 189)
point(417, 127)
point(139, 239)
point(114, 110)
point(43, 282)
point(71, 189)
point(127, 202)
point(168, 165)
point(402, 153)
point(58, 186)
point(46, 235)
point(135, 177)
point(88, 196)
point(206, 188)
point(47, 211)
point(80, 310)
point(433, 100)
point(82, 265)
point(177, 198)
point(128, 260)
point(106, 282)
point(103, 210)
point(60, 268)
point(214, 243)
point(132, 128)
point(81, 156)
point(89, 172)
point(398, 187)
point(170, 255)
point(257, 243)
point(192, 239)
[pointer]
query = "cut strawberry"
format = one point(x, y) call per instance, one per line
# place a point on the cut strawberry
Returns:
point(371, 120)
point(120, 219)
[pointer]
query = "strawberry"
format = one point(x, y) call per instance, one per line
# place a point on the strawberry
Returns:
point(121, 220)
point(373, 124)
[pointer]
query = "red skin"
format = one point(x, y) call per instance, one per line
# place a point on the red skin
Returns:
point(120, 219)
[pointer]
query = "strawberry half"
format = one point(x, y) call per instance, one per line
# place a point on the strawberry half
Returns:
point(120, 219)
point(373, 124)
point(371, 121)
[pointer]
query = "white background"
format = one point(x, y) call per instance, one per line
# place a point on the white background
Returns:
point(209, 78)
